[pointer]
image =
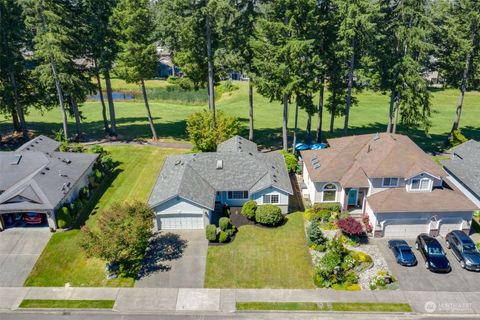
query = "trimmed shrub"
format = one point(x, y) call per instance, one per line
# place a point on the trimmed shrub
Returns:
point(78, 205)
point(457, 138)
point(249, 209)
point(332, 206)
point(350, 226)
point(315, 234)
point(98, 175)
point(223, 237)
point(224, 223)
point(290, 161)
point(64, 218)
point(97, 149)
point(230, 232)
point(211, 232)
point(269, 215)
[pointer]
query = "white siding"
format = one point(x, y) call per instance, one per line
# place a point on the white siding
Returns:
point(376, 184)
point(178, 205)
point(282, 196)
point(319, 194)
point(423, 176)
point(312, 191)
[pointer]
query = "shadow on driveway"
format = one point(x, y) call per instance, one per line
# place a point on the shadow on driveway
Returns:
point(174, 259)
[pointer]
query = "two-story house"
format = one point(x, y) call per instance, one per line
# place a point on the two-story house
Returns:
point(390, 179)
point(191, 187)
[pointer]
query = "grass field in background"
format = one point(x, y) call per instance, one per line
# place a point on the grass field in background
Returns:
point(67, 304)
point(369, 116)
point(63, 261)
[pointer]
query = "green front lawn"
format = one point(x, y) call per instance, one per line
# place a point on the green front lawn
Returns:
point(369, 116)
point(62, 260)
point(67, 304)
point(262, 258)
point(331, 306)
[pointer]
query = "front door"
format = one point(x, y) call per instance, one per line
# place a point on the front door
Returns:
point(352, 197)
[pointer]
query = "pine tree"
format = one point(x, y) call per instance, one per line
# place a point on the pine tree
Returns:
point(13, 38)
point(459, 49)
point(137, 59)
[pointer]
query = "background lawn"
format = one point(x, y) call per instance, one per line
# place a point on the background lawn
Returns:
point(369, 116)
point(62, 260)
point(262, 258)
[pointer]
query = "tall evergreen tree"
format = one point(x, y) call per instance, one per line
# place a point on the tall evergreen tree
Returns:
point(137, 59)
point(459, 48)
point(12, 64)
point(101, 50)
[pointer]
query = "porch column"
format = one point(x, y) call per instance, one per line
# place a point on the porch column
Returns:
point(52, 223)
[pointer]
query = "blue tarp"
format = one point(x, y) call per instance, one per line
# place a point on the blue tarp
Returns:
point(315, 146)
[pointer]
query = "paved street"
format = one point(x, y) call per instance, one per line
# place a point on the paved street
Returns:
point(175, 260)
point(418, 278)
point(19, 250)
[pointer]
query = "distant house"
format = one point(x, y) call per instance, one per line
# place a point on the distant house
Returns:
point(464, 169)
point(389, 179)
point(36, 178)
point(191, 187)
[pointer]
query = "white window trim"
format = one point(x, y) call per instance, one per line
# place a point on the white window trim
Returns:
point(389, 185)
point(270, 198)
point(429, 187)
point(323, 192)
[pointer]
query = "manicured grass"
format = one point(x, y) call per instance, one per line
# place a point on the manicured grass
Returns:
point(68, 304)
point(63, 261)
point(262, 258)
point(333, 306)
point(369, 116)
point(282, 306)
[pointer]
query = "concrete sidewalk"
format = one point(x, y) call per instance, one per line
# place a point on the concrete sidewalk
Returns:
point(152, 300)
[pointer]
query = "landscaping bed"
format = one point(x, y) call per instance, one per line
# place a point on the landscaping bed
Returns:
point(341, 260)
point(330, 306)
point(66, 304)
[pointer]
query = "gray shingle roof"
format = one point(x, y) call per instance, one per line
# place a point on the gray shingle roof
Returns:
point(196, 177)
point(40, 143)
point(36, 181)
point(465, 165)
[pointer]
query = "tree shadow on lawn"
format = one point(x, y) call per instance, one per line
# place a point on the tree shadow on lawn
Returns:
point(163, 248)
point(128, 128)
point(272, 137)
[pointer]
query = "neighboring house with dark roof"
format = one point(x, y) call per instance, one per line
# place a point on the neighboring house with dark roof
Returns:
point(191, 187)
point(36, 178)
point(464, 169)
point(391, 180)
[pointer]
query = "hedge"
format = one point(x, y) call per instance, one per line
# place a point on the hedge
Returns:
point(332, 206)
point(224, 223)
point(269, 215)
point(211, 232)
point(64, 218)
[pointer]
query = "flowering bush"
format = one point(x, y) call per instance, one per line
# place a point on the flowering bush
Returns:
point(350, 226)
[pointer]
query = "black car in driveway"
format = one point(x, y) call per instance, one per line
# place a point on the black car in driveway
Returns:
point(402, 252)
point(432, 252)
point(464, 250)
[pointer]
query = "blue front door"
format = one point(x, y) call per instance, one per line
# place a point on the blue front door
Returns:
point(352, 197)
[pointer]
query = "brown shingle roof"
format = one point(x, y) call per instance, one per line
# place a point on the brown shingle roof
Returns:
point(377, 155)
point(447, 199)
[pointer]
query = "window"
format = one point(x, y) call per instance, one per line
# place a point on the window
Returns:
point(237, 194)
point(270, 198)
point(329, 193)
point(390, 182)
point(420, 184)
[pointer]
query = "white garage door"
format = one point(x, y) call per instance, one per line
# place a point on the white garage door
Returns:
point(447, 226)
point(405, 228)
point(182, 221)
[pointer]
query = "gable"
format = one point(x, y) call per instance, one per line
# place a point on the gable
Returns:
point(18, 199)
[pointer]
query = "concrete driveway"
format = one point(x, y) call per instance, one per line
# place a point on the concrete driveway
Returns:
point(174, 259)
point(418, 278)
point(19, 250)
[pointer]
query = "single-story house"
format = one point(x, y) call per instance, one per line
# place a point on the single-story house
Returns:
point(36, 178)
point(390, 180)
point(191, 187)
point(464, 169)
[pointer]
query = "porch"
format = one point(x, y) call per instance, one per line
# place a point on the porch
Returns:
point(354, 200)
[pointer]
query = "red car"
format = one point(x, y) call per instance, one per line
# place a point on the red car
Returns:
point(32, 218)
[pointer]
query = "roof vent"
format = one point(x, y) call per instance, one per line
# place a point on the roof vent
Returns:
point(178, 162)
point(219, 164)
point(16, 159)
point(376, 137)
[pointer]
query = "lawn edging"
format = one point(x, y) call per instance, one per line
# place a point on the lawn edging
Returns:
point(66, 304)
point(325, 307)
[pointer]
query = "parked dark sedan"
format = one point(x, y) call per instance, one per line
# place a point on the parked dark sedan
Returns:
point(432, 252)
point(402, 252)
point(464, 250)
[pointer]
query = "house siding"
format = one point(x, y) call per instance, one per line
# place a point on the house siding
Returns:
point(282, 198)
point(178, 206)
